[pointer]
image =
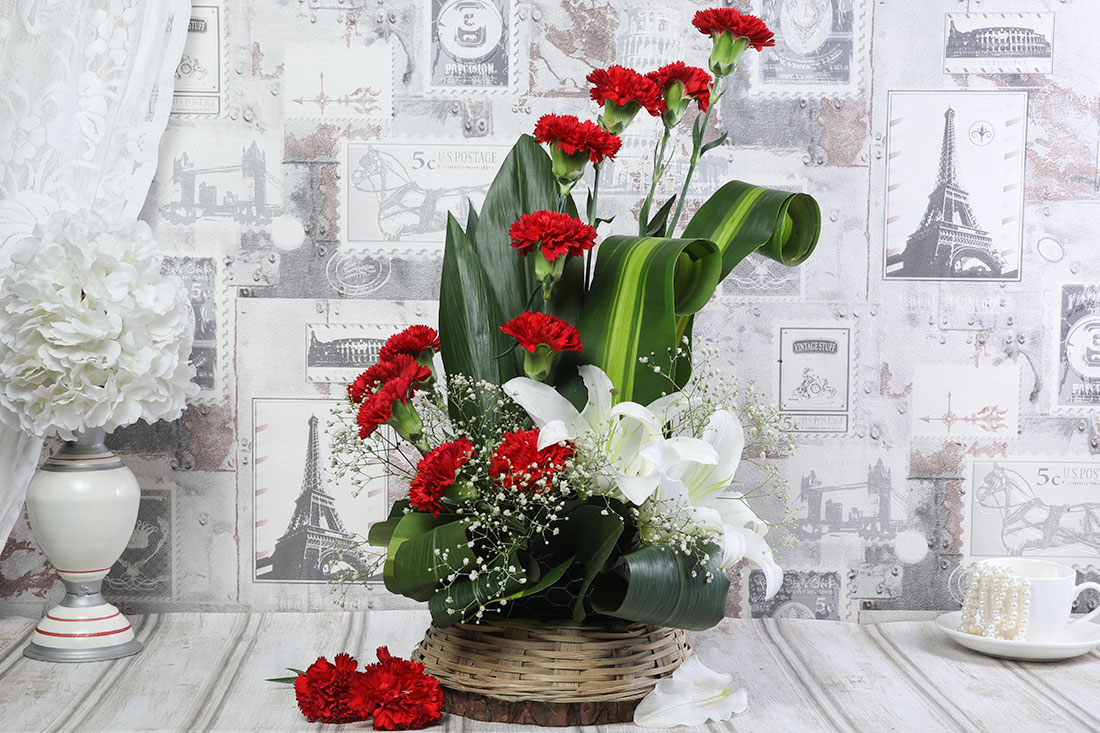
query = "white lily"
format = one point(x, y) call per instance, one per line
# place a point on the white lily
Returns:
point(620, 431)
point(692, 695)
point(694, 472)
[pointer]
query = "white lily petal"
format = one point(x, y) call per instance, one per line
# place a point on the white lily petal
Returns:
point(597, 411)
point(667, 407)
point(736, 512)
point(725, 434)
point(692, 695)
point(741, 542)
point(634, 411)
point(709, 520)
point(693, 450)
point(541, 401)
point(553, 432)
point(637, 488)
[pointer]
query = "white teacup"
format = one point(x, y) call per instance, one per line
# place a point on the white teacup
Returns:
point(1053, 592)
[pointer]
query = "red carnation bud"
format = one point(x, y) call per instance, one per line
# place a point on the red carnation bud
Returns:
point(622, 92)
point(572, 144)
point(679, 85)
point(551, 235)
point(731, 32)
point(543, 336)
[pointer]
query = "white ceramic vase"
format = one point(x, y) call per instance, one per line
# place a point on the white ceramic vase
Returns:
point(83, 505)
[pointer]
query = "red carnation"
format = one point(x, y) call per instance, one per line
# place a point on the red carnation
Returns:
point(518, 463)
point(532, 329)
point(401, 367)
point(397, 694)
point(575, 137)
point(435, 473)
point(376, 410)
point(322, 691)
point(696, 82)
point(553, 233)
point(414, 341)
point(738, 24)
point(622, 86)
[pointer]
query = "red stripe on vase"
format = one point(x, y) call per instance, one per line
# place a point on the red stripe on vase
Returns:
point(85, 458)
point(101, 618)
point(83, 636)
point(78, 572)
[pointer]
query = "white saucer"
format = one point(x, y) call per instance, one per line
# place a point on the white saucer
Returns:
point(1074, 642)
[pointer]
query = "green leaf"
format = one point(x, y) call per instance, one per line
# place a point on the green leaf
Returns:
point(591, 535)
point(422, 562)
point(380, 533)
point(658, 224)
point(548, 579)
point(469, 326)
point(714, 143)
point(471, 219)
point(282, 680)
point(654, 585)
point(742, 218)
point(409, 527)
point(641, 285)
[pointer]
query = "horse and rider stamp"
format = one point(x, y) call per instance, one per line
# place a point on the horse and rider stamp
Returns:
point(338, 83)
point(198, 77)
point(1078, 363)
point(307, 525)
point(954, 185)
point(818, 48)
point(473, 45)
point(339, 352)
point(403, 191)
point(998, 43)
point(815, 373)
point(965, 402)
point(1035, 507)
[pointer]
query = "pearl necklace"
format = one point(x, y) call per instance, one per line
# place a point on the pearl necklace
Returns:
point(997, 604)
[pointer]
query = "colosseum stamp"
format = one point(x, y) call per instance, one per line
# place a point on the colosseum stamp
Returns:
point(999, 43)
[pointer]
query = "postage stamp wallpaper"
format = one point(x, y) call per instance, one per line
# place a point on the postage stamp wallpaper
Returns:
point(946, 399)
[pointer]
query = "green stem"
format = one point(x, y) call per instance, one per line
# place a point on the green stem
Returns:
point(696, 153)
point(658, 171)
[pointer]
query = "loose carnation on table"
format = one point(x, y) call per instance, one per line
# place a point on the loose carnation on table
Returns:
point(566, 457)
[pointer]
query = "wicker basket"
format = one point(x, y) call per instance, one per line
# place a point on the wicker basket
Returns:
point(570, 664)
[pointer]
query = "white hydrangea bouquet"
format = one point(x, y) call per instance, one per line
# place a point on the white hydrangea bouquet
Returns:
point(92, 334)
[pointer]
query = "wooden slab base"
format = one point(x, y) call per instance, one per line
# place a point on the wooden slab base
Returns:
point(531, 712)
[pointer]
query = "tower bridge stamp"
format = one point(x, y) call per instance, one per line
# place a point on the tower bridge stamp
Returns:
point(954, 185)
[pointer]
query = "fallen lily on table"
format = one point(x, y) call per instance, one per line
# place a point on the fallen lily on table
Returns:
point(395, 692)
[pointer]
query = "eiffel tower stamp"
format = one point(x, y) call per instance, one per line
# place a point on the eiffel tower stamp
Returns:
point(954, 186)
point(307, 526)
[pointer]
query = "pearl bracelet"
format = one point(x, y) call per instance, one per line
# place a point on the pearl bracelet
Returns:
point(997, 604)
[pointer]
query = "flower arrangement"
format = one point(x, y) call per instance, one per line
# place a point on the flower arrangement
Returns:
point(93, 335)
point(570, 465)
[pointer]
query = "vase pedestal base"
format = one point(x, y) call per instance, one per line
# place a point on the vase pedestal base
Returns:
point(82, 628)
point(532, 712)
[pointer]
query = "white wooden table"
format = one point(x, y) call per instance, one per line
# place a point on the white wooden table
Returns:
point(206, 671)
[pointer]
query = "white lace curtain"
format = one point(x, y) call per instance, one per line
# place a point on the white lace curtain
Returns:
point(85, 92)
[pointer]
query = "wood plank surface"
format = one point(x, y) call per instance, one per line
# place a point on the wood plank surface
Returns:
point(202, 671)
